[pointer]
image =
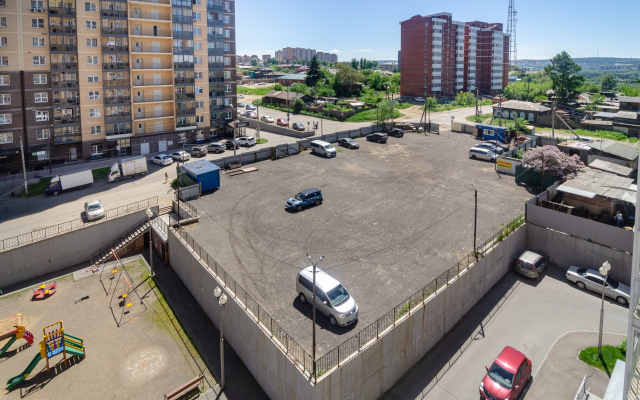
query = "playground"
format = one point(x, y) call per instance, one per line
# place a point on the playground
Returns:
point(95, 337)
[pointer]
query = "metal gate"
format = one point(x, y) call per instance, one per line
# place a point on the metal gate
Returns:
point(283, 150)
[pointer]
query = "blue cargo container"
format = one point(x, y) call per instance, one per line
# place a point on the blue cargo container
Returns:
point(205, 173)
point(493, 132)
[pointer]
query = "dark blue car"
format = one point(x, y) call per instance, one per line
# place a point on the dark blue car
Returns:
point(304, 199)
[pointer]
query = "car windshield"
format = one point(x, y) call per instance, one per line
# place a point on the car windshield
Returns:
point(328, 147)
point(94, 207)
point(298, 196)
point(501, 375)
point(338, 295)
point(350, 141)
point(612, 282)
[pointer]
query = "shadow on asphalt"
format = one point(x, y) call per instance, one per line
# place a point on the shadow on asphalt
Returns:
point(322, 321)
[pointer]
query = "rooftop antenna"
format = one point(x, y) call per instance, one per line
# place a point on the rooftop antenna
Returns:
point(511, 31)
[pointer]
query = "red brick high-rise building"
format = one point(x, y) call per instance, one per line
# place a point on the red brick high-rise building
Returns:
point(442, 57)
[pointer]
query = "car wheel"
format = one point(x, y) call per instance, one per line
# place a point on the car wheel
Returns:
point(473, 157)
point(581, 285)
point(303, 299)
point(621, 300)
point(317, 202)
point(56, 193)
point(136, 175)
point(333, 320)
point(299, 208)
point(117, 179)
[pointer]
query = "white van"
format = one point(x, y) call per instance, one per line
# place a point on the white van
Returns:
point(482, 154)
point(323, 148)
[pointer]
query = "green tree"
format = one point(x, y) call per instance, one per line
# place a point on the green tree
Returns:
point(395, 70)
point(384, 113)
point(563, 72)
point(299, 103)
point(347, 76)
point(629, 91)
point(608, 81)
point(313, 74)
point(430, 104)
point(589, 87)
point(300, 88)
point(254, 62)
point(277, 87)
point(596, 100)
point(377, 81)
point(354, 63)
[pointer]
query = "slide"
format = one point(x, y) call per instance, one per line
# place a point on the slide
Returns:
point(72, 351)
point(9, 343)
point(20, 378)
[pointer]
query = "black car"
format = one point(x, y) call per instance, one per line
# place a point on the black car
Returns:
point(217, 147)
point(229, 144)
point(377, 137)
point(350, 143)
point(396, 132)
point(199, 151)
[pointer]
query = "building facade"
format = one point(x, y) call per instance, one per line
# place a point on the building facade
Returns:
point(89, 79)
point(291, 54)
point(441, 57)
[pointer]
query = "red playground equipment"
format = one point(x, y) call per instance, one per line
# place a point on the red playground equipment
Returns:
point(19, 333)
point(44, 291)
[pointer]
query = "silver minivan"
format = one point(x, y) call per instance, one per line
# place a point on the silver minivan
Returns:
point(482, 154)
point(332, 299)
point(323, 148)
point(531, 264)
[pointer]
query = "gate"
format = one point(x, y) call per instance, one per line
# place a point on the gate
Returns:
point(284, 150)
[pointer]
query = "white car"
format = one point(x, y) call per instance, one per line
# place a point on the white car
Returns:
point(261, 83)
point(266, 118)
point(242, 113)
point(591, 279)
point(482, 154)
point(180, 156)
point(492, 147)
point(419, 99)
point(240, 96)
point(586, 139)
point(93, 210)
point(246, 141)
point(162, 159)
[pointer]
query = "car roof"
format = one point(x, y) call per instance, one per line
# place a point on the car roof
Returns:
point(309, 191)
point(324, 280)
point(480, 149)
point(530, 256)
point(92, 202)
point(509, 359)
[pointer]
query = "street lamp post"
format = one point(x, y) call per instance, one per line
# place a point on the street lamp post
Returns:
point(475, 219)
point(222, 300)
point(604, 271)
point(313, 337)
point(150, 215)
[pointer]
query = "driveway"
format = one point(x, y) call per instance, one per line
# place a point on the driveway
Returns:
point(528, 315)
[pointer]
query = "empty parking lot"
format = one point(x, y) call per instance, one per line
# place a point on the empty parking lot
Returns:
point(395, 216)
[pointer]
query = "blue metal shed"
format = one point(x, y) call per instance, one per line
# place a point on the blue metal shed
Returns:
point(205, 173)
point(493, 132)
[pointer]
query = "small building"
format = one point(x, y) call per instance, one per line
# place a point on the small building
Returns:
point(629, 103)
point(493, 132)
point(260, 73)
point(205, 173)
point(286, 98)
point(627, 117)
point(290, 79)
point(513, 109)
point(302, 70)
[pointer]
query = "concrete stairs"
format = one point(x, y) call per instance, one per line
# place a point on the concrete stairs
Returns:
point(104, 254)
point(165, 210)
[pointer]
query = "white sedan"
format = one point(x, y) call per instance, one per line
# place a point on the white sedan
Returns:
point(591, 279)
point(162, 159)
point(180, 156)
point(419, 99)
point(266, 118)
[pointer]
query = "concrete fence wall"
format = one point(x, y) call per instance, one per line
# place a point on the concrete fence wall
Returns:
point(63, 251)
point(277, 129)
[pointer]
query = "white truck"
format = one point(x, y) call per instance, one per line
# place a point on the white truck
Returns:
point(60, 183)
point(129, 167)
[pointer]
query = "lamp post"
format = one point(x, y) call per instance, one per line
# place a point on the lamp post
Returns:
point(475, 218)
point(222, 300)
point(313, 337)
point(604, 271)
point(150, 215)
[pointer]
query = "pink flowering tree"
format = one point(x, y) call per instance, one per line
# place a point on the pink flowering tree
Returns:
point(551, 161)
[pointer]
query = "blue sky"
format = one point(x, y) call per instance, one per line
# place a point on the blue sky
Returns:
point(370, 29)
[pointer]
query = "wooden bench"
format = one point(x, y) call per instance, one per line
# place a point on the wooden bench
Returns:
point(184, 389)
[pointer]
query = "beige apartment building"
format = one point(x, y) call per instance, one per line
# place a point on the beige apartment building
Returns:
point(94, 79)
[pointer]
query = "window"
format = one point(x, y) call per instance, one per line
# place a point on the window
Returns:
point(5, 99)
point(197, 31)
point(4, 80)
point(3, 22)
point(37, 41)
point(227, 46)
point(197, 75)
point(37, 4)
point(96, 130)
point(227, 33)
point(42, 134)
point(3, 3)
point(93, 78)
point(197, 45)
point(94, 113)
point(5, 119)
point(4, 41)
point(41, 97)
point(196, 16)
point(93, 25)
point(92, 42)
point(227, 102)
point(92, 7)
point(426, 24)
point(197, 60)
point(226, 5)
point(92, 60)
point(595, 280)
point(37, 23)
point(227, 74)
point(42, 116)
point(227, 61)
point(198, 89)
point(199, 119)
point(6, 137)
point(196, 2)
point(199, 105)
point(40, 79)
point(226, 19)
point(227, 88)
point(39, 60)
point(94, 95)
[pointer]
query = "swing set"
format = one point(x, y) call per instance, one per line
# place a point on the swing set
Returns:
point(129, 288)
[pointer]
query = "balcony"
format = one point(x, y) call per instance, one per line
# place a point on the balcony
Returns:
point(64, 84)
point(65, 9)
point(115, 49)
point(436, 88)
point(66, 120)
point(186, 111)
point(154, 114)
point(117, 100)
point(64, 65)
point(63, 47)
point(216, 94)
point(182, 50)
point(215, 6)
point(459, 86)
point(182, 125)
point(154, 82)
point(153, 128)
point(65, 102)
point(216, 79)
point(436, 81)
point(62, 29)
point(115, 31)
point(152, 49)
point(183, 81)
point(213, 37)
point(151, 16)
point(496, 87)
point(460, 65)
point(459, 80)
point(436, 74)
point(185, 96)
point(183, 35)
point(216, 65)
point(112, 66)
point(166, 33)
point(216, 107)
point(183, 65)
point(436, 57)
point(437, 35)
point(151, 65)
point(108, 83)
point(62, 139)
point(117, 118)
point(116, 131)
point(496, 75)
point(154, 2)
point(496, 81)
point(214, 22)
point(459, 59)
point(215, 51)
point(153, 98)
point(114, 13)
point(472, 75)
point(182, 18)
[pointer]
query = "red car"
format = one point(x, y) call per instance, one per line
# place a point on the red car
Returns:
point(283, 122)
point(507, 377)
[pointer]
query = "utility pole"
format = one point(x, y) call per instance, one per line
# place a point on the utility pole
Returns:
point(500, 108)
point(313, 338)
point(477, 115)
point(222, 300)
point(475, 219)
point(553, 120)
point(24, 169)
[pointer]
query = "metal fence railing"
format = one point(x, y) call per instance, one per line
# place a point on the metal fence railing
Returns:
point(65, 227)
point(582, 390)
point(365, 336)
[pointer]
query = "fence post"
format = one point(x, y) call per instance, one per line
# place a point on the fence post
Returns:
point(377, 328)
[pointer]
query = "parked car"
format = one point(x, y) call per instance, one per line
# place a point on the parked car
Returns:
point(240, 96)
point(586, 139)
point(252, 83)
point(180, 156)
point(251, 107)
point(252, 115)
point(332, 299)
point(304, 199)
point(217, 147)
point(93, 210)
point(162, 159)
point(396, 132)
point(531, 264)
point(503, 146)
point(199, 151)
point(350, 143)
point(229, 144)
point(246, 141)
point(419, 99)
point(240, 104)
point(267, 119)
point(507, 376)
point(261, 83)
point(489, 146)
point(283, 122)
point(377, 137)
point(242, 113)
point(323, 148)
point(592, 280)
point(298, 126)
point(482, 154)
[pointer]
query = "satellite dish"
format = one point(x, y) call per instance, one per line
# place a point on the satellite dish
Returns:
point(223, 300)
point(217, 292)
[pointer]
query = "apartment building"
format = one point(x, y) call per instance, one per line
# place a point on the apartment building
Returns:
point(328, 57)
point(89, 79)
point(441, 57)
point(293, 53)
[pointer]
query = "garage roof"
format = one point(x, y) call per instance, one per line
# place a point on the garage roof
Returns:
point(592, 182)
point(522, 106)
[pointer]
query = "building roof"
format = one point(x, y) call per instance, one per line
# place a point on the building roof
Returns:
point(291, 96)
point(591, 182)
point(628, 99)
point(626, 115)
point(605, 115)
point(200, 167)
point(611, 167)
point(627, 152)
point(294, 77)
point(522, 106)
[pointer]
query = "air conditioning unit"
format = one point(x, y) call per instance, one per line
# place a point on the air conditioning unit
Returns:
point(33, 10)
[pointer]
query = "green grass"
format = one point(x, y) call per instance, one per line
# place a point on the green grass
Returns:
point(609, 356)
point(402, 106)
point(100, 173)
point(339, 150)
point(370, 115)
point(262, 141)
point(256, 92)
point(451, 106)
point(297, 111)
point(603, 134)
point(38, 188)
point(482, 118)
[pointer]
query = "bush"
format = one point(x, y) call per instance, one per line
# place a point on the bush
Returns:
point(299, 103)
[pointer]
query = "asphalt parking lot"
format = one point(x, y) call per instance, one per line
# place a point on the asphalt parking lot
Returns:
point(395, 216)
